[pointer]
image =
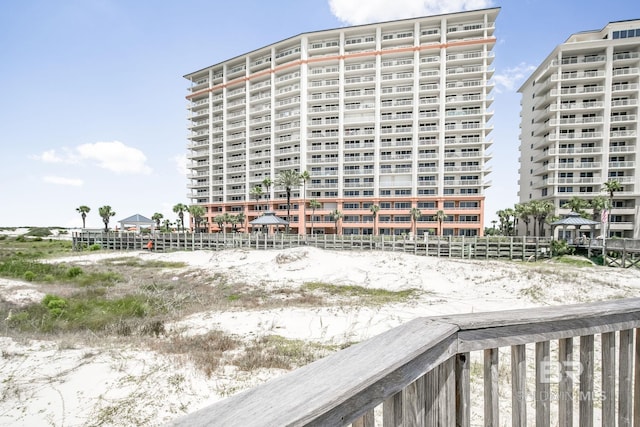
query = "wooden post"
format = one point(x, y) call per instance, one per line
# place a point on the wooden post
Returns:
point(625, 379)
point(586, 381)
point(431, 390)
point(543, 387)
point(565, 386)
point(463, 390)
point(636, 383)
point(367, 420)
point(608, 400)
point(491, 381)
point(392, 411)
point(518, 385)
point(413, 397)
point(447, 392)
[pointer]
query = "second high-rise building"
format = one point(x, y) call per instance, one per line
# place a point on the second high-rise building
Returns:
point(392, 115)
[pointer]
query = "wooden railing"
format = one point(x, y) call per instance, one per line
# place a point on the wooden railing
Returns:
point(421, 374)
point(512, 247)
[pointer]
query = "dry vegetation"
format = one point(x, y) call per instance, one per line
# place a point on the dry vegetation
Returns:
point(102, 308)
point(130, 300)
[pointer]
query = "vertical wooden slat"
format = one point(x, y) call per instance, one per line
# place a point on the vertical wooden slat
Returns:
point(463, 390)
point(447, 392)
point(491, 400)
point(367, 420)
point(413, 399)
point(608, 378)
point(392, 411)
point(565, 385)
point(586, 381)
point(518, 385)
point(543, 387)
point(636, 383)
point(625, 378)
point(431, 386)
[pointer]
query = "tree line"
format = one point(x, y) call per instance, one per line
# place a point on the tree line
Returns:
point(538, 213)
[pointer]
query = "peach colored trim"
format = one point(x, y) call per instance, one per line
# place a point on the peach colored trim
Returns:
point(338, 57)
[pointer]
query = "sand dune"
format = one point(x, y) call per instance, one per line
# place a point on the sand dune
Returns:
point(55, 383)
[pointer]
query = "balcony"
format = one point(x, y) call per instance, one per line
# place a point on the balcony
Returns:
point(622, 165)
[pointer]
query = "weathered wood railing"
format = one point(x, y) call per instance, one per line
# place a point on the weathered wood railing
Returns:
point(511, 247)
point(421, 374)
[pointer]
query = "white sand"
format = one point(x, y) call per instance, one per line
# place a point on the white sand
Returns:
point(44, 383)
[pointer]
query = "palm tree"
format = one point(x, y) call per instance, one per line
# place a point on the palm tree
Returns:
point(545, 208)
point(219, 219)
point(610, 187)
point(577, 205)
point(415, 216)
point(288, 179)
point(522, 212)
point(267, 182)
point(598, 204)
point(83, 211)
point(167, 225)
point(335, 217)
point(106, 213)
point(256, 193)
point(157, 217)
point(508, 213)
point(240, 217)
point(313, 204)
point(180, 209)
point(374, 211)
point(228, 218)
point(305, 177)
point(233, 220)
point(197, 213)
point(440, 216)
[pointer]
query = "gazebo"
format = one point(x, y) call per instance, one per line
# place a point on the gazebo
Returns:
point(268, 219)
point(138, 221)
point(573, 219)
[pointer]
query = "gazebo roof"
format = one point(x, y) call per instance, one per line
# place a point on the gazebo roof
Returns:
point(574, 218)
point(269, 218)
point(136, 219)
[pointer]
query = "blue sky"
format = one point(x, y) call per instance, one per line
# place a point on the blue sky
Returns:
point(92, 98)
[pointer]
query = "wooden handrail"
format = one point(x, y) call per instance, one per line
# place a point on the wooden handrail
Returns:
point(420, 371)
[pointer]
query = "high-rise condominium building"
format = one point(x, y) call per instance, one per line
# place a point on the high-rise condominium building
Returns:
point(393, 115)
point(579, 125)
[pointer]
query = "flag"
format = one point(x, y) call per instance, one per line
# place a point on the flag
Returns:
point(605, 216)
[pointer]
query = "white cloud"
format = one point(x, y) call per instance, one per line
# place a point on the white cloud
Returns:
point(58, 180)
point(181, 164)
point(356, 12)
point(510, 79)
point(49, 156)
point(113, 156)
point(116, 157)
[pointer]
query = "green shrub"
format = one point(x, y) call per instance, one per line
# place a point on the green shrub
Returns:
point(74, 272)
point(29, 276)
point(561, 247)
point(95, 247)
point(55, 304)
